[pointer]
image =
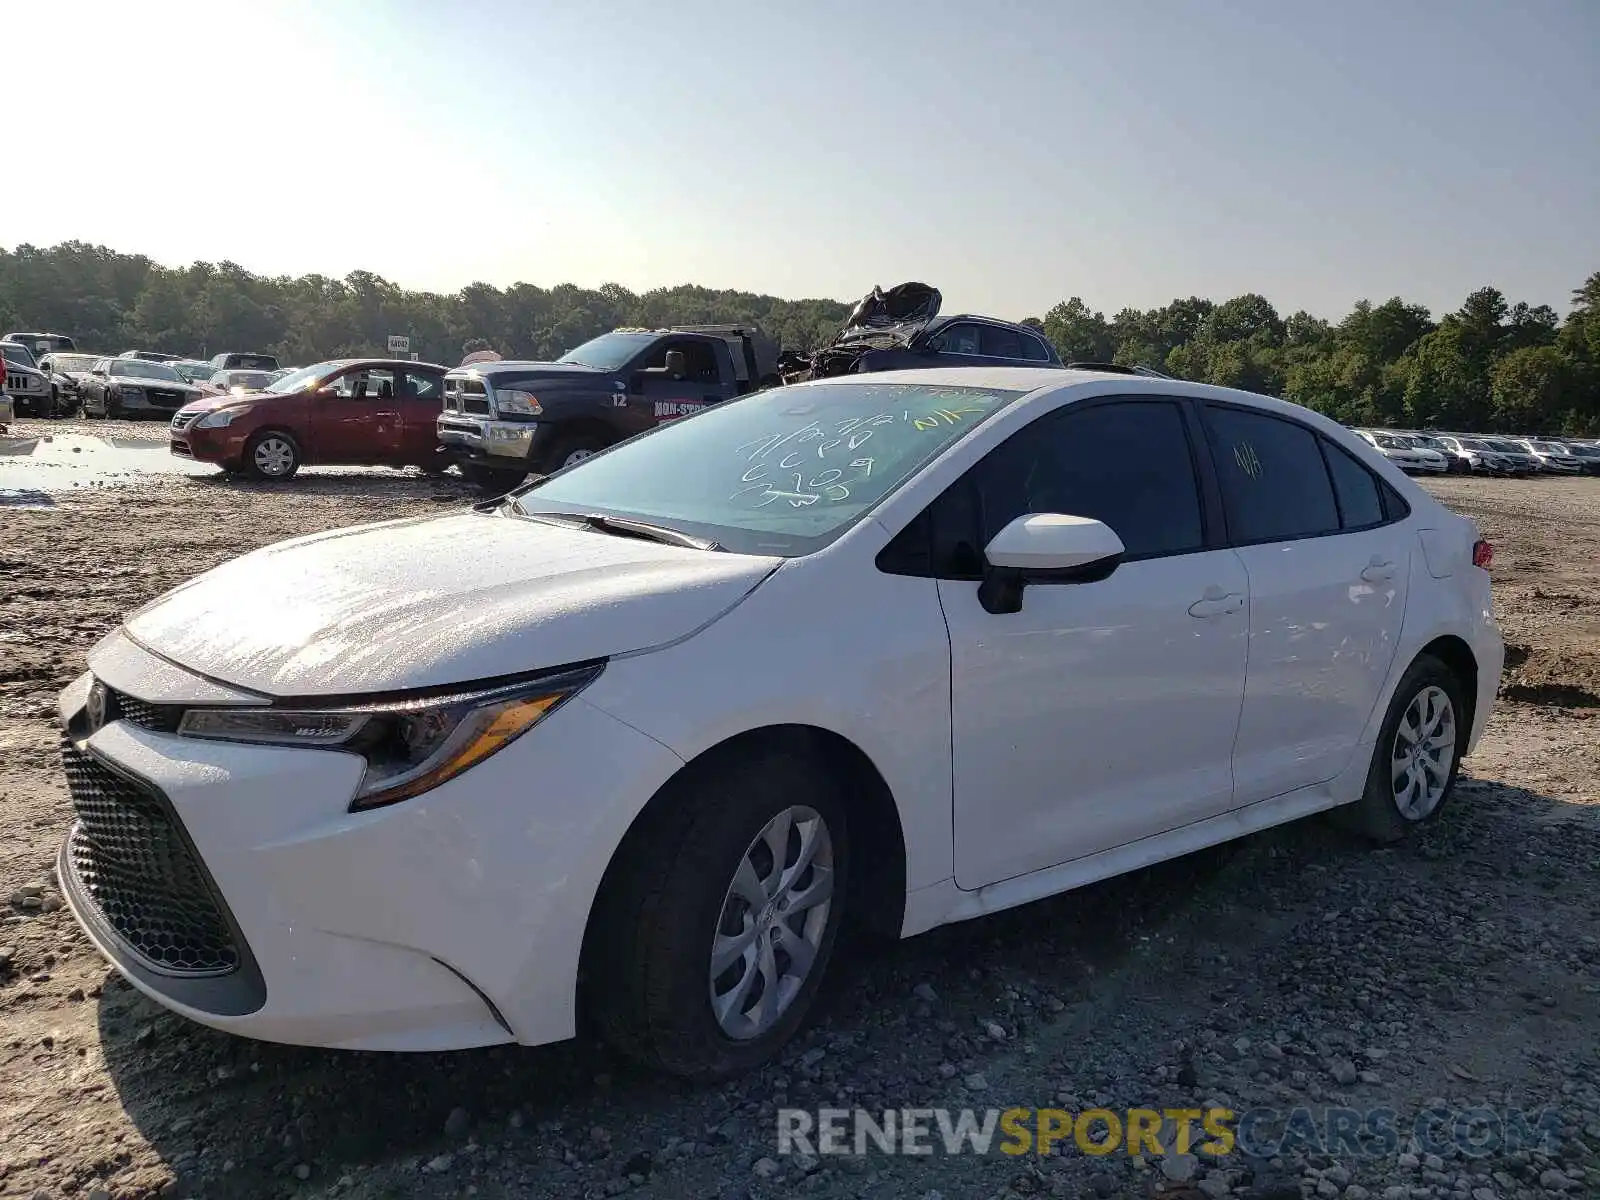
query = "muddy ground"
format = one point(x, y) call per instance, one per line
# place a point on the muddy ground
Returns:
point(1295, 968)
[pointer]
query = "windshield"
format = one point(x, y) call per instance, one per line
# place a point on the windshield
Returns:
point(608, 351)
point(306, 378)
point(1429, 443)
point(1508, 447)
point(72, 362)
point(1474, 444)
point(1390, 442)
point(195, 372)
point(1583, 451)
point(781, 472)
point(1549, 448)
point(19, 355)
point(132, 368)
point(247, 379)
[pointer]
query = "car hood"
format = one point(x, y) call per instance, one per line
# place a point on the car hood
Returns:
point(437, 601)
point(896, 315)
point(12, 368)
point(166, 385)
point(206, 398)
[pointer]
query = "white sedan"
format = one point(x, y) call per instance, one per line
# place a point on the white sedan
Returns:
point(635, 742)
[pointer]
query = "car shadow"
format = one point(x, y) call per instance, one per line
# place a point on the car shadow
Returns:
point(205, 1100)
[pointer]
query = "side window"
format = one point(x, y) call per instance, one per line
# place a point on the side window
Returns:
point(365, 384)
point(1274, 484)
point(1034, 350)
point(957, 339)
point(1000, 343)
point(1126, 463)
point(700, 360)
point(1355, 487)
point(424, 387)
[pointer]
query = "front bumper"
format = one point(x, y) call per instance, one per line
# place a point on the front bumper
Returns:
point(485, 440)
point(221, 446)
point(449, 921)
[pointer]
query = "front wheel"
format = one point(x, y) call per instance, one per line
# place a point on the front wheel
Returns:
point(568, 451)
point(272, 455)
point(716, 925)
point(1417, 756)
point(494, 479)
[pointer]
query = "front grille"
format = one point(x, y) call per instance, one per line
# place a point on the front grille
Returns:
point(161, 398)
point(133, 861)
point(183, 420)
point(475, 404)
point(23, 383)
point(163, 718)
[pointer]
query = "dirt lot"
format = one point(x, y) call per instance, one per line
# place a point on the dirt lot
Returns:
point(1296, 968)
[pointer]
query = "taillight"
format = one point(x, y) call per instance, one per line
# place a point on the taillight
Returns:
point(1482, 554)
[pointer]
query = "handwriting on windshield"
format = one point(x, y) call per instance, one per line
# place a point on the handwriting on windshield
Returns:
point(825, 460)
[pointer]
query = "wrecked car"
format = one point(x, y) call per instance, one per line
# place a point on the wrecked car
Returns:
point(902, 328)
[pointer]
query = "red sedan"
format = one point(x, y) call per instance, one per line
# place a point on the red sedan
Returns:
point(354, 411)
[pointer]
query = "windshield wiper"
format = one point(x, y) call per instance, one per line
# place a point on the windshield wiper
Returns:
point(627, 527)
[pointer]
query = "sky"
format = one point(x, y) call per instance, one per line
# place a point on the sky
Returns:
point(1013, 154)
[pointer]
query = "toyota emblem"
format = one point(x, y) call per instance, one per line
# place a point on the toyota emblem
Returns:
point(99, 703)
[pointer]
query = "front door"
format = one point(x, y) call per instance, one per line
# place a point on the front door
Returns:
point(1102, 712)
point(1328, 569)
point(356, 418)
point(668, 394)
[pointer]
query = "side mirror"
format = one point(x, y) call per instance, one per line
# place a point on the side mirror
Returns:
point(1045, 548)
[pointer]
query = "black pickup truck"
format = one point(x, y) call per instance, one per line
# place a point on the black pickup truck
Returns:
point(505, 420)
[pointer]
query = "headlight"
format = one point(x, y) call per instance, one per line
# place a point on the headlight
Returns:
point(217, 418)
point(523, 403)
point(410, 746)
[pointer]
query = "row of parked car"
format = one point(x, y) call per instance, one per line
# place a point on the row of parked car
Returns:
point(499, 421)
point(1434, 452)
point(46, 375)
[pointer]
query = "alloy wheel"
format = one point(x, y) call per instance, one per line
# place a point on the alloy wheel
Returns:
point(273, 456)
point(773, 918)
point(1424, 751)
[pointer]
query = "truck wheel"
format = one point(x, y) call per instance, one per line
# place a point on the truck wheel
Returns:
point(565, 451)
point(492, 478)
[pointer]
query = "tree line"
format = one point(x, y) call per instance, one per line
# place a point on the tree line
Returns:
point(1491, 365)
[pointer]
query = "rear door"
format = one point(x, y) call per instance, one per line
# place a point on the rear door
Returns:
point(1328, 564)
point(356, 418)
point(421, 402)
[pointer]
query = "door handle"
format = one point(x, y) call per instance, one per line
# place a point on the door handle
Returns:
point(1216, 605)
point(1378, 571)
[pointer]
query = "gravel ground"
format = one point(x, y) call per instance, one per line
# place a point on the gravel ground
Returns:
point(1295, 968)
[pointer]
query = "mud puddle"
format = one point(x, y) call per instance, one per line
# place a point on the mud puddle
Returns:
point(31, 468)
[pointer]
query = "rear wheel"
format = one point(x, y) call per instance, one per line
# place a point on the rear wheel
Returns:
point(1417, 756)
point(716, 924)
point(272, 454)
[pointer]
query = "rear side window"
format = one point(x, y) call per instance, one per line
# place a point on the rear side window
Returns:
point(1274, 483)
point(1126, 463)
point(1360, 503)
point(1001, 343)
point(1034, 350)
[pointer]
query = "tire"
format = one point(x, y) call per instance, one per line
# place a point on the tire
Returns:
point(673, 892)
point(272, 454)
point(568, 450)
point(491, 478)
point(1382, 814)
